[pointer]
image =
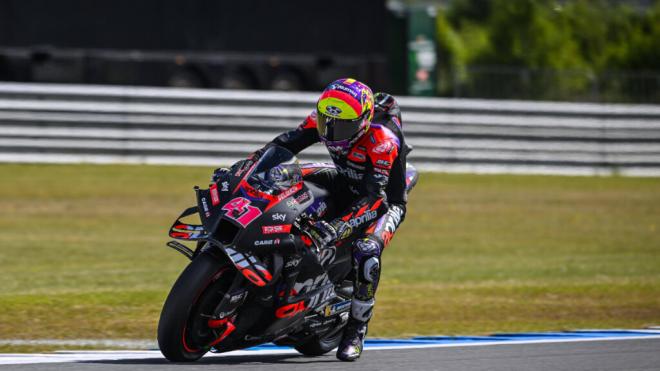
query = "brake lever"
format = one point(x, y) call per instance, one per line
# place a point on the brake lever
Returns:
point(302, 223)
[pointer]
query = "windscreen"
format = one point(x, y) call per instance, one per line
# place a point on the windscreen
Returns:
point(275, 172)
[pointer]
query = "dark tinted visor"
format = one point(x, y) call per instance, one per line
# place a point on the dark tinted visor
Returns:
point(334, 130)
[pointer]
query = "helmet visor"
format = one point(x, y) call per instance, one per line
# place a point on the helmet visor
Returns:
point(334, 129)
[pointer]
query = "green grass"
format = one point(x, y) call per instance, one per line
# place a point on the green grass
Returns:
point(82, 252)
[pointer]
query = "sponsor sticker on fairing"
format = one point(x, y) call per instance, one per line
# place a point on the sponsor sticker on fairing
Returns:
point(289, 192)
point(263, 242)
point(303, 198)
point(273, 229)
point(292, 263)
point(267, 242)
point(205, 206)
point(279, 216)
point(215, 198)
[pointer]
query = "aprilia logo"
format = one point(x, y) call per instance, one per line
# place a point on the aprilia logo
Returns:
point(366, 217)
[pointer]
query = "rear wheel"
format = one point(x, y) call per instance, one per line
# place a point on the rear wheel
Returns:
point(183, 332)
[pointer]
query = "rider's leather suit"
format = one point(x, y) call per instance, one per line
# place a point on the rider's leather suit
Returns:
point(368, 183)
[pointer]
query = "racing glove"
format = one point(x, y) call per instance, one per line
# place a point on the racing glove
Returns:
point(218, 174)
point(322, 233)
point(385, 105)
point(242, 166)
point(384, 101)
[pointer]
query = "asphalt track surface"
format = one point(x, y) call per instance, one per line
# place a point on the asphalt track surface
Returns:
point(602, 355)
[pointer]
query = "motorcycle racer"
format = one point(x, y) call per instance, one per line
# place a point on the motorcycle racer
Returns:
point(363, 135)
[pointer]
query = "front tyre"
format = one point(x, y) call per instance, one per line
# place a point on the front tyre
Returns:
point(181, 334)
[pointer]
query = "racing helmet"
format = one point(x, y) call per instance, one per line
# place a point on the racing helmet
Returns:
point(344, 112)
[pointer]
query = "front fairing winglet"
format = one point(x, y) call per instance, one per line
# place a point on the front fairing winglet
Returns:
point(249, 265)
point(185, 231)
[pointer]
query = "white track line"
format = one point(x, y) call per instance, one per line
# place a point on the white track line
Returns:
point(113, 343)
point(81, 356)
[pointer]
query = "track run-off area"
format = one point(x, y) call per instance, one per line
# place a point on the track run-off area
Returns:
point(571, 350)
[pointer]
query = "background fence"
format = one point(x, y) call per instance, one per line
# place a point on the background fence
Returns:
point(506, 82)
point(102, 124)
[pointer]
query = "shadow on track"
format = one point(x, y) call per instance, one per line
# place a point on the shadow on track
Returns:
point(227, 360)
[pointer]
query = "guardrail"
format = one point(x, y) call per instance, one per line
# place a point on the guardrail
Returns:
point(105, 124)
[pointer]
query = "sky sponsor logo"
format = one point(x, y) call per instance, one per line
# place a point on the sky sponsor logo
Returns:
point(279, 216)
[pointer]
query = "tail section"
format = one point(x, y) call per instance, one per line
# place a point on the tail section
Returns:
point(411, 177)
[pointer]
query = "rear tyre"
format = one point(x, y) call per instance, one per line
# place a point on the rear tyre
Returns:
point(181, 332)
point(320, 345)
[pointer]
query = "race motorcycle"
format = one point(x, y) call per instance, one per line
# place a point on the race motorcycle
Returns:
point(255, 275)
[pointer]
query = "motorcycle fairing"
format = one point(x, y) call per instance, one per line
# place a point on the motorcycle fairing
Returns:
point(250, 266)
point(242, 207)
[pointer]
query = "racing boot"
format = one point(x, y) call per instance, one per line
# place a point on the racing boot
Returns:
point(352, 343)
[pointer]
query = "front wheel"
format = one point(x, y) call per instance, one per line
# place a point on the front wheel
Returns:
point(183, 335)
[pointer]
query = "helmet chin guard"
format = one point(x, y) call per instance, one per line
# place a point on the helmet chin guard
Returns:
point(342, 146)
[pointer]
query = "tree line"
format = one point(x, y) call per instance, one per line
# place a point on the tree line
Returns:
point(544, 49)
